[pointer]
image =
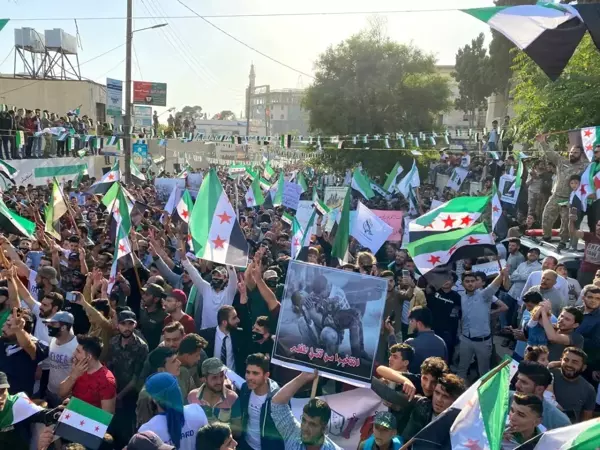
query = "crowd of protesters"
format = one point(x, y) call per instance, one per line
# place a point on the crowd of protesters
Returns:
point(161, 351)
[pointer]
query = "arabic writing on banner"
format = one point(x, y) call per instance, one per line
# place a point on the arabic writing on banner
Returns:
point(291, 195)
point(394, 220)
point(489, 268)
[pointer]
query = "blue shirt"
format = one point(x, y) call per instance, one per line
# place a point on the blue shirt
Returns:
point(476, 311)
point(426, 344)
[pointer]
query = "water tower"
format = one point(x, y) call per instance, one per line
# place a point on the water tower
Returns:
point(31, 49)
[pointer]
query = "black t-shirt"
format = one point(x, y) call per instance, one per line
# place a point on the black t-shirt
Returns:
point(445, 307)
point(82, 322)
point(19, 367)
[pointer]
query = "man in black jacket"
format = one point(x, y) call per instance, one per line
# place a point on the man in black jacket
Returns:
point(258, 429)
point(6, 131)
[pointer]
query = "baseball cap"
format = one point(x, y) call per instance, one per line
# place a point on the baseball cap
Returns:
point(4, 381)
point(127, 316)
point(179, 295)
point(213, 366)
point(385, 419)
point(62, 317)
point(49, 273)
point(74, 256)
point(155, 290)
point(147, 440)
point(269, 274)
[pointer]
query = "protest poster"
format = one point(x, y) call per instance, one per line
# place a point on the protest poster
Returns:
point(394, 220)
point(369, 229)
point(456, 179)
point(330, 320)
point(291, 195)
point(303, 213)
point(506, 195)
point(194, 181)
point(349, 411)
point(139, 153)
point(334, 196)
point(164, 187)
point(489, 268)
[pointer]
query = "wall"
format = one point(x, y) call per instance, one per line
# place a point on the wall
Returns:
point(59, 96)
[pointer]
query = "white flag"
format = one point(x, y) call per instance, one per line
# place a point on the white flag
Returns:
point(369, 229)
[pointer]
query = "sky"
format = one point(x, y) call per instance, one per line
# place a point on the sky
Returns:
point(202, 66)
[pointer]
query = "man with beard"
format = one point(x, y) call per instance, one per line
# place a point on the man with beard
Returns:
point(152, 315)
point(216, 399)
point(174, 304)
point(575, 165)
point(20, 352)
point(590, 325)
point(572, 391)
point(219, 292)
point(126, 356)
point(311, 432)
point(226, 340)
point(62, 347)
point(259, 331)
point(564, 335)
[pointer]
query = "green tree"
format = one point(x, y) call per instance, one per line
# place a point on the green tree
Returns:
point(192, 111)
point(502, 54)
point(567, 103)
point(473, 74)
point(370, 84)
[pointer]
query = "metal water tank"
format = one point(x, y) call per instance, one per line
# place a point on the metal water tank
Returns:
point(29, 39)
point(59, 40)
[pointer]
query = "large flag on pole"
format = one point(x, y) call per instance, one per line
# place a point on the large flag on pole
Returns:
point(277, 190)
point(104, 184)
point(268, 172)
point(393, 178)
point(590, 137)
point(442, 248)
point(216, 232)
point(56, 208)
point(296, 238)
point(135, 171)
point(411, 180)
point(83, 423)
point(254, 195)
point(361, 184)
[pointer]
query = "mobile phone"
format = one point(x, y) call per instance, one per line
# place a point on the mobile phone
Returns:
point(392, 317)
point(405, 273)
point(71, 297)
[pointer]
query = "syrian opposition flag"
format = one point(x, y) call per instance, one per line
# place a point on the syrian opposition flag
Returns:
point(83, 423)
point(268, 172)
point(590, 137)
point(254, 196)
point(496, 206)
point(361, 184)
point(185, 206)
point(442, 248)
point(302, 182)
point(216, 232)
point(342, 235)
point(12, 223)
point(17, 408)
point(173, 200)
point(411, 180)
point(236, 169)
point(117, 201)
point(8, 171)
point(56, 208)
point(393, 178)
point(277, 189)
point(581, 436)
point(460, 212)
point(547, 32)
point(136, 173)
point(483, 419)
point(123, 248)
point(104, 184)
point(296, 238)
point(578, 198)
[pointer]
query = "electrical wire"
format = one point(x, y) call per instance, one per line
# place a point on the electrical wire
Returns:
point(7, 56)
point(243, 43)
point(137, 61)
point(43, 79)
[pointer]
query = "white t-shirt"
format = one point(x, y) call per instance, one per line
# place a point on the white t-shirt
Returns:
point(32, 285)
point(60, 359)
point(194, 420)
point(254, 407)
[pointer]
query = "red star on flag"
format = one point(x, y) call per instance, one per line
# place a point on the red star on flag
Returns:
point(111, 176)
point(466, 221)
point(121, 248)
point(296, 242)
point(189, 238)
point(448, 222)
point(219, 242)
point(111, 280)
point(587, 133)
point(434, 259)
point(589, 147)
point(116, 211)
point(97, 429)
point(185, 214)
point(473, 240)
point(495, 208)
point(473, 444)
point(452, 250)
point(82, 423)
point(224, 217)
point(250, 200)
point(582, 190)
point(68, 416)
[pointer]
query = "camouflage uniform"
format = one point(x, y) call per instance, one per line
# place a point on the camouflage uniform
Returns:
point(564, 170)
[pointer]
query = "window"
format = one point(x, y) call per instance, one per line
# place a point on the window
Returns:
point(283, 117)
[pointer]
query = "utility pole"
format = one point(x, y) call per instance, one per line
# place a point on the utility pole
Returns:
point(127, 118)
point(251, 83)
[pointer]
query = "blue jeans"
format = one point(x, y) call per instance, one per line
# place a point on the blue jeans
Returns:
point(507, 318)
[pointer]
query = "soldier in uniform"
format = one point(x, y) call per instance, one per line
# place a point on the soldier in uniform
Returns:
point(565, 168)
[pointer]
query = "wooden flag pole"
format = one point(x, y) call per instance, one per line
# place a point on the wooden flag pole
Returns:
point(315, 385)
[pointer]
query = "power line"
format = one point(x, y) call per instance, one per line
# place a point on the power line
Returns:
point(44, 79)
point(137, 62)
point(251, 15)
point(243, 43)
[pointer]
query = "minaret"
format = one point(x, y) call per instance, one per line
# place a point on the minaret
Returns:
point(249, 91)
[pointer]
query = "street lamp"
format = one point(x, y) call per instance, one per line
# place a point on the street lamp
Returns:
point(128, 99)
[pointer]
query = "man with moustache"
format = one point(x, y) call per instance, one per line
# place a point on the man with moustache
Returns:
point(126, 356)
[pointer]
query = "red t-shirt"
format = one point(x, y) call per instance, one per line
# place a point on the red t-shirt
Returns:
point(189, 326)
point(95, 387)
point(591, 255)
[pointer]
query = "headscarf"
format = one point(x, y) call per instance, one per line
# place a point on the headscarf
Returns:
point(164, 390)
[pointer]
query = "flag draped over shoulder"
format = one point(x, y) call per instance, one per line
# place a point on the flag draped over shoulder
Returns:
point(216, 232)
point(442, 248)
